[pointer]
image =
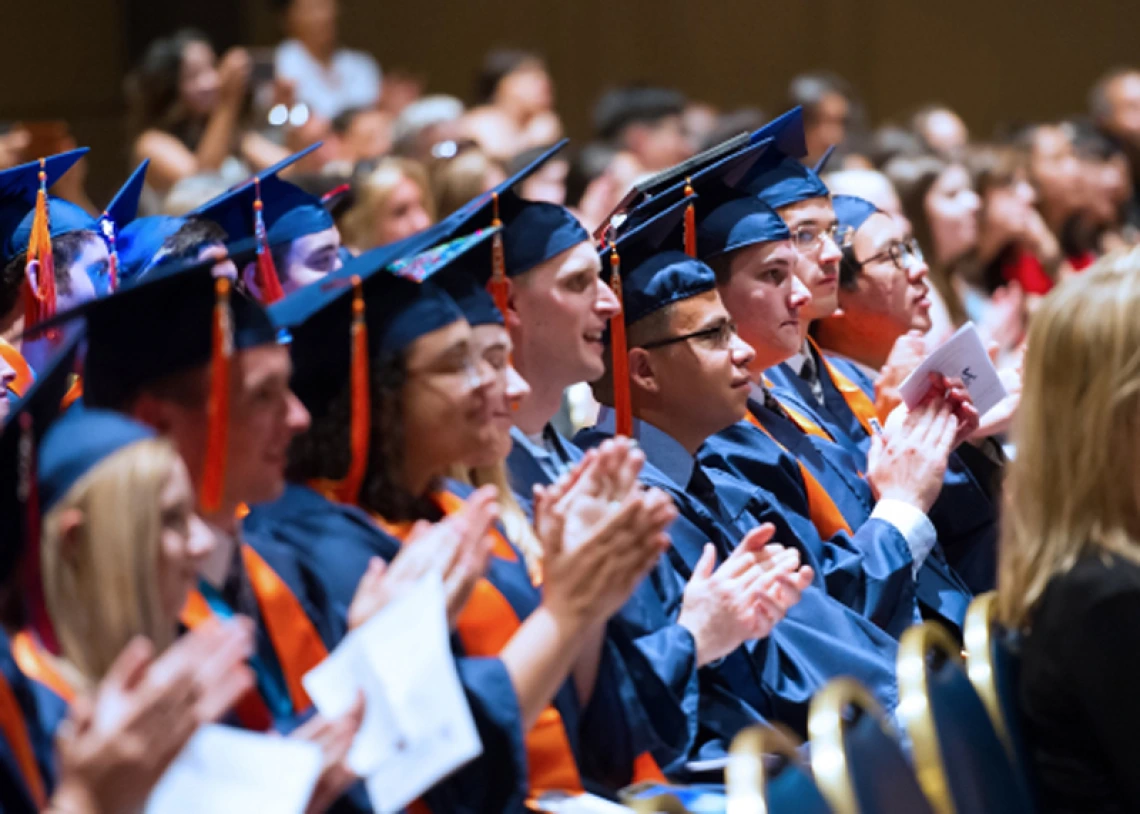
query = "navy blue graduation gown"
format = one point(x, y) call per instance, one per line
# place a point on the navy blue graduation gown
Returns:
point(966, 512)
point(818, 640)
point(42, 711)
point(693, 714)
point(746, 452)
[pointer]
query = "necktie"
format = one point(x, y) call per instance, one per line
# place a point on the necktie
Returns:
point(810, 374)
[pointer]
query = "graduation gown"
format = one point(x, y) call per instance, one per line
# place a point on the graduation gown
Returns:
point(692, 714)
point(966, 512)
point(29, 717)
point(818, 640)
point(858, 568)
point(596, 737)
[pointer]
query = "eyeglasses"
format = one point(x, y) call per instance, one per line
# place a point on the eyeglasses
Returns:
point(902, 254)
point(810, 239)
point(718, 336)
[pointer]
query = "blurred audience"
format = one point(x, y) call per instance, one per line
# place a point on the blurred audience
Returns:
point(392, 201)
point(515, 105)
point(186, 110)
point(548, 183)
point(827, 103)
point(458, 179)
point(646, 122)
point(425, 123)
point(327, 77)
point(940, 129)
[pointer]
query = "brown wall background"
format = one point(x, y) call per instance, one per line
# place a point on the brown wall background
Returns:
point(995, 61)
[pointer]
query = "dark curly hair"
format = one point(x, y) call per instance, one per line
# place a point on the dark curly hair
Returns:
point(324, 450)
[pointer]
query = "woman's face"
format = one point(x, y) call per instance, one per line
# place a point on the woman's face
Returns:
point(528, 88)
point(952, 208)
point(447, 407)
point(186, 541)
point(198, 79)
point(492, 345)
point(402, 215)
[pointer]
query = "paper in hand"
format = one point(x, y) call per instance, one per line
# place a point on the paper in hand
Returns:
point(963, 357)
point(417, 726)
point(230, 771)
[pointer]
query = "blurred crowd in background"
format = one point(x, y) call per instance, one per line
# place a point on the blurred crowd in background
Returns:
point(1001, 216)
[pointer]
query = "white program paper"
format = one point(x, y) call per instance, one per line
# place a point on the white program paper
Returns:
point(417, 727)
point(962, 356)
point(229, 771)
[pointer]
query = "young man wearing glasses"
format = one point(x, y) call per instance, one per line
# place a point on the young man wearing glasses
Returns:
point(870, 532)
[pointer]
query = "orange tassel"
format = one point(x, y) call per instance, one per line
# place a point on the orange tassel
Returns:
point(499, 286)
point(268, 283)
point(690, 223)
point(218, 408)
point(39, 299)
point(623, 401)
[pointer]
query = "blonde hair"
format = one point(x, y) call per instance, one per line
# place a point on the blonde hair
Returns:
point(511, 515)
point(102, 587)
point(1072, 488)
point(457, 180)
point(372, 192)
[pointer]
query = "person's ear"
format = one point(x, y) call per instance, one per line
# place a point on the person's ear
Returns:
point(70, 534)
point(512, 318)
point(249, 280)
point(642, 372)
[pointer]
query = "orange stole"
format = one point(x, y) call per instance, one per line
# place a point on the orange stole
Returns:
point(825, 515)
point(295, 640)
point(74, 393)
point(486, 624)
point(34, 663)
point(24, 375)
point(857, 401)
point(15, 731)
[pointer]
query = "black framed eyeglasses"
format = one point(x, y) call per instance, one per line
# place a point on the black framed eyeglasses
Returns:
point(718, 336)
point(902, 254)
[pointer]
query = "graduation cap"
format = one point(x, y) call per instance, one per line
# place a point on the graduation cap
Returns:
point(120, 212)
point(359, 313)
point(648, 271)
point(177, 318)
point(705, 188)
point(19, 493)
point(736, 224)
point(786, 183)
point(852, 212)
point(139, 242)
point(786, 132)
point(29, 220)
point(462, 268)
point(265, 205)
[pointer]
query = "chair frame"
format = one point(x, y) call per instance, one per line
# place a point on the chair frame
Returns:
point(914, 709)
point(827, 729)
point(745, 779)
point(978, 633)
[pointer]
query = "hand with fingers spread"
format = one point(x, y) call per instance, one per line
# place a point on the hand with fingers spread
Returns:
point(908, 461)
point(335, 739)
point(457, 547)
point(117, 742)
point(600, 532)
point(954, 392)
point(907, 354)
point(744, 598)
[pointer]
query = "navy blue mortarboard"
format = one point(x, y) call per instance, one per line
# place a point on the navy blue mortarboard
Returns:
point(786, 132)
point(19, 495)
point(533, 231)
point(78, 442)
point(786, 183)
point(648, 271)
point(140, 241)
point(19, 189)
point(463, 269)
point(852, 211)
point(737, 223)
point(120, 212)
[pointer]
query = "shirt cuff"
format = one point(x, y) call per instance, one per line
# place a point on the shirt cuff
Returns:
point(912, 524)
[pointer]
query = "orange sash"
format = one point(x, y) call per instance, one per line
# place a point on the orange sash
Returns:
point(24, 376)
point(295, 640)
point(857, 401)
point(74, 393)
point(805, 424)
point(485, 625)
point(15, 731)
point(825, 515)
point(34, 663)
